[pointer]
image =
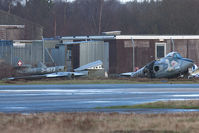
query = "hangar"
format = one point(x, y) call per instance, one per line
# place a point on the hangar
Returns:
point(118, 49)
point(115, 51)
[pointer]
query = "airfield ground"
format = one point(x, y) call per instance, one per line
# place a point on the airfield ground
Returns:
point(179, 104)
point(105, 122)
point(99, 123)
point(103, 81)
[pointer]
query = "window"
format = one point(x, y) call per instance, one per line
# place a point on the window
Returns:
point(160, 50)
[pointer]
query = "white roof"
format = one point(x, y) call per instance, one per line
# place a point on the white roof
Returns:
point(159, 37)
point(12, 26)
point(87, 37)
point(135, 37)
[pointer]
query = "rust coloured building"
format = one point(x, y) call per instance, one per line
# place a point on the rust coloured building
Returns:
point(146, 47)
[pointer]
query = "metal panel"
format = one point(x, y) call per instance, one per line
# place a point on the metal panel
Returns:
point(192, 50)
point(121, 54)
point(29, 53)
point(51, 43)
point(93, 51)
point(169, 47)
point(124, 57)
point(75, 56)
point(58, 55)
point(157, 37)
point(6, 51)
point(181, 47)
point(106, 57)
point(112, 56)
point(37, 52)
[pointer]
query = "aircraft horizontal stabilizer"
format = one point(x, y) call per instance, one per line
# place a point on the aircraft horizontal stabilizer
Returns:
point(91, 65)
point(127, 74)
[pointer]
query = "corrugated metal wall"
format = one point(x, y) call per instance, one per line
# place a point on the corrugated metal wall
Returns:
point(37, 52)
point(51, 43)
point(121, 54)
point(22, 52)
point(181, 46)
point(58, 55)
point(144, 52)
point(6, 51)
point(117, 55)
point(75, 56)
point(94, 50)
point(53, 55)
point(193, 50)
point(124, 56)
point(112, 56)
point(28, 53)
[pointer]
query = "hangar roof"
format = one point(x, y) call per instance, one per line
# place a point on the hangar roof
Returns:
point(137, 37)
point(143, 37)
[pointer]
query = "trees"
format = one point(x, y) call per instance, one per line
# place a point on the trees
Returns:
point(41, 12)
point(91, 17)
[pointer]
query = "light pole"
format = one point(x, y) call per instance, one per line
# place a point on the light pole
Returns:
point(43, 56)
point(133, 45)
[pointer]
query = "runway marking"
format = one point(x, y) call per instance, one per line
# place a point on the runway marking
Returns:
point(174, 99)
point(188, 95)
point(97, 102)
point(17, 108)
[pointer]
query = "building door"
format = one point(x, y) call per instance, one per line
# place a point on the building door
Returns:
point(160, 50)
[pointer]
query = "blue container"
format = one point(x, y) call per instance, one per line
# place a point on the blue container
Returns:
point(6, 43)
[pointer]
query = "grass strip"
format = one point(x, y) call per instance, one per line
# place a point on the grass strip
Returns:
point(99, 123)
point(102, 81)
point(185, 104)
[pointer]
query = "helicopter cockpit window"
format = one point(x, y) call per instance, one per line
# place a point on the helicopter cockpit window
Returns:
point(170, 55)
point(174, 54)
point(178, 55)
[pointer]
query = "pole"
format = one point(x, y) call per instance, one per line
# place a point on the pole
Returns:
point(31, 53)
point(133, 45)
point(43, 58)
point(11, 50)
point(173, 48)
point(55, 25)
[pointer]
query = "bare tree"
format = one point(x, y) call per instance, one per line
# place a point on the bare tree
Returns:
point(91, 17)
